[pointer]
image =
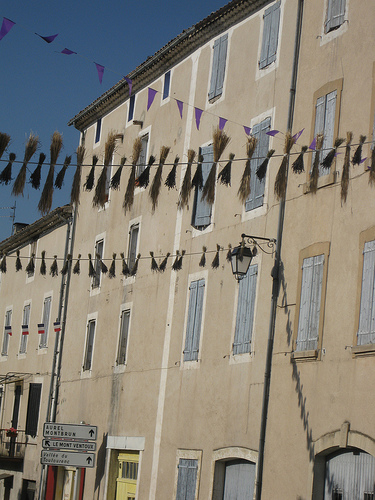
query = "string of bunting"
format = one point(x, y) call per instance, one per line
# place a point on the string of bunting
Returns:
point(100, 263)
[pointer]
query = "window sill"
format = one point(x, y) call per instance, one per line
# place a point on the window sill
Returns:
point(119, 368)
point(363, 350)
point(214, 99)
point(305, 355)
point(323, 181)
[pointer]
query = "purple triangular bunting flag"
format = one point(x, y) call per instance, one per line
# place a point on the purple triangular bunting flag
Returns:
point(247, 130)
point(48, 39)
point(313, 144)
point(198, 115)
point(100, 70)
point(273, 132)
point(130, 84)
point(180, 106)
point(298, 135)
point(68, 52)
point(222, 122)
point(151, 96)
point(6, 27)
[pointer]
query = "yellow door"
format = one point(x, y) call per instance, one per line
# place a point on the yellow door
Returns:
point(126, 482)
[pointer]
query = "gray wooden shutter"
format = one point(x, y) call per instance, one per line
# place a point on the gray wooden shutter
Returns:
point(142, 162)
point(239, 480)
point(25, 321)
point(45, 320)
point(98, 255)
point(221, 65)
point(366, 330)
point(133, 239)
point(320, 111)
point(329, 123)
point(256, 195)
point(309, 313)
point(124, 330)
point(194, 320)
point(218, 66)
point(271, 20)
point(187, 479)
point(202, 209)
point(335, 14)
point(89, 345)
point(245, 312)
point(8, 322)
point(32, 417)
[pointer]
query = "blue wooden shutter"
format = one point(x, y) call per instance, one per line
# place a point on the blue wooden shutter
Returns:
point(239, 480)
point(32, 416)
point(271, 20)
point(245, 312)
point(167, 81)
point(218, 66)
point(194, 320)
point(187, 479)
point(309, 313)
point(366, 330)
point(256, 195)
point(335, 14)
point(202, 209)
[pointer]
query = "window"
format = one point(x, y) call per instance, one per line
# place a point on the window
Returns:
point(131, 107)
point(123, 338)
point(142, 162)
point(201, 209)
point(234, 479)
point(271, 21)
point(187, 479)
point(218, 67)
point(194, 320)
point(108, 180)
point(326, 116)
point(25, 328)
point(256, 195)
point(325, 121)
point(245, 312)
point(87, 363)
point(99, 245)
point(45, 320)
point(311, 294)
point(167, 83)
point(349, 474)
point(7, 332)
point(32, 251)
point(366, 329)
point(98, 129)
point(33, 404)
point(133, 245)
point(335, 14)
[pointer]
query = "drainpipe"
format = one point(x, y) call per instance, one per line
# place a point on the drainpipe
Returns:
point(59, 340)
point(276, 269)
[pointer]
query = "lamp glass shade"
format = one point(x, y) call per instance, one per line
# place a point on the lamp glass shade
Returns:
point(240, 259)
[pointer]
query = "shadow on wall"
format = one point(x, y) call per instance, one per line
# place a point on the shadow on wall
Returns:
point(100, 463)
point(296, 374)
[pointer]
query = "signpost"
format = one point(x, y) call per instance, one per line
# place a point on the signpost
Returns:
point(67, 458)
point(62, 444)
point(69, 445)
point(69, 431)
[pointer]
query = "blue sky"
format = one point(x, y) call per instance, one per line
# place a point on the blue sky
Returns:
point(41, 89)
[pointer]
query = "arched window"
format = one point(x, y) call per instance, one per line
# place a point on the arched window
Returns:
point(349, 474)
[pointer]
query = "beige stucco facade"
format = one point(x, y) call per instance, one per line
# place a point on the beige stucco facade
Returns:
point(170, 412)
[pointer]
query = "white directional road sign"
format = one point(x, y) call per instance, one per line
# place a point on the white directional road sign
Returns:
point(69, 431)
point(62, 444)
point(67, 458)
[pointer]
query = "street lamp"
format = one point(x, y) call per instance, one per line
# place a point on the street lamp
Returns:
point(242, 255)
